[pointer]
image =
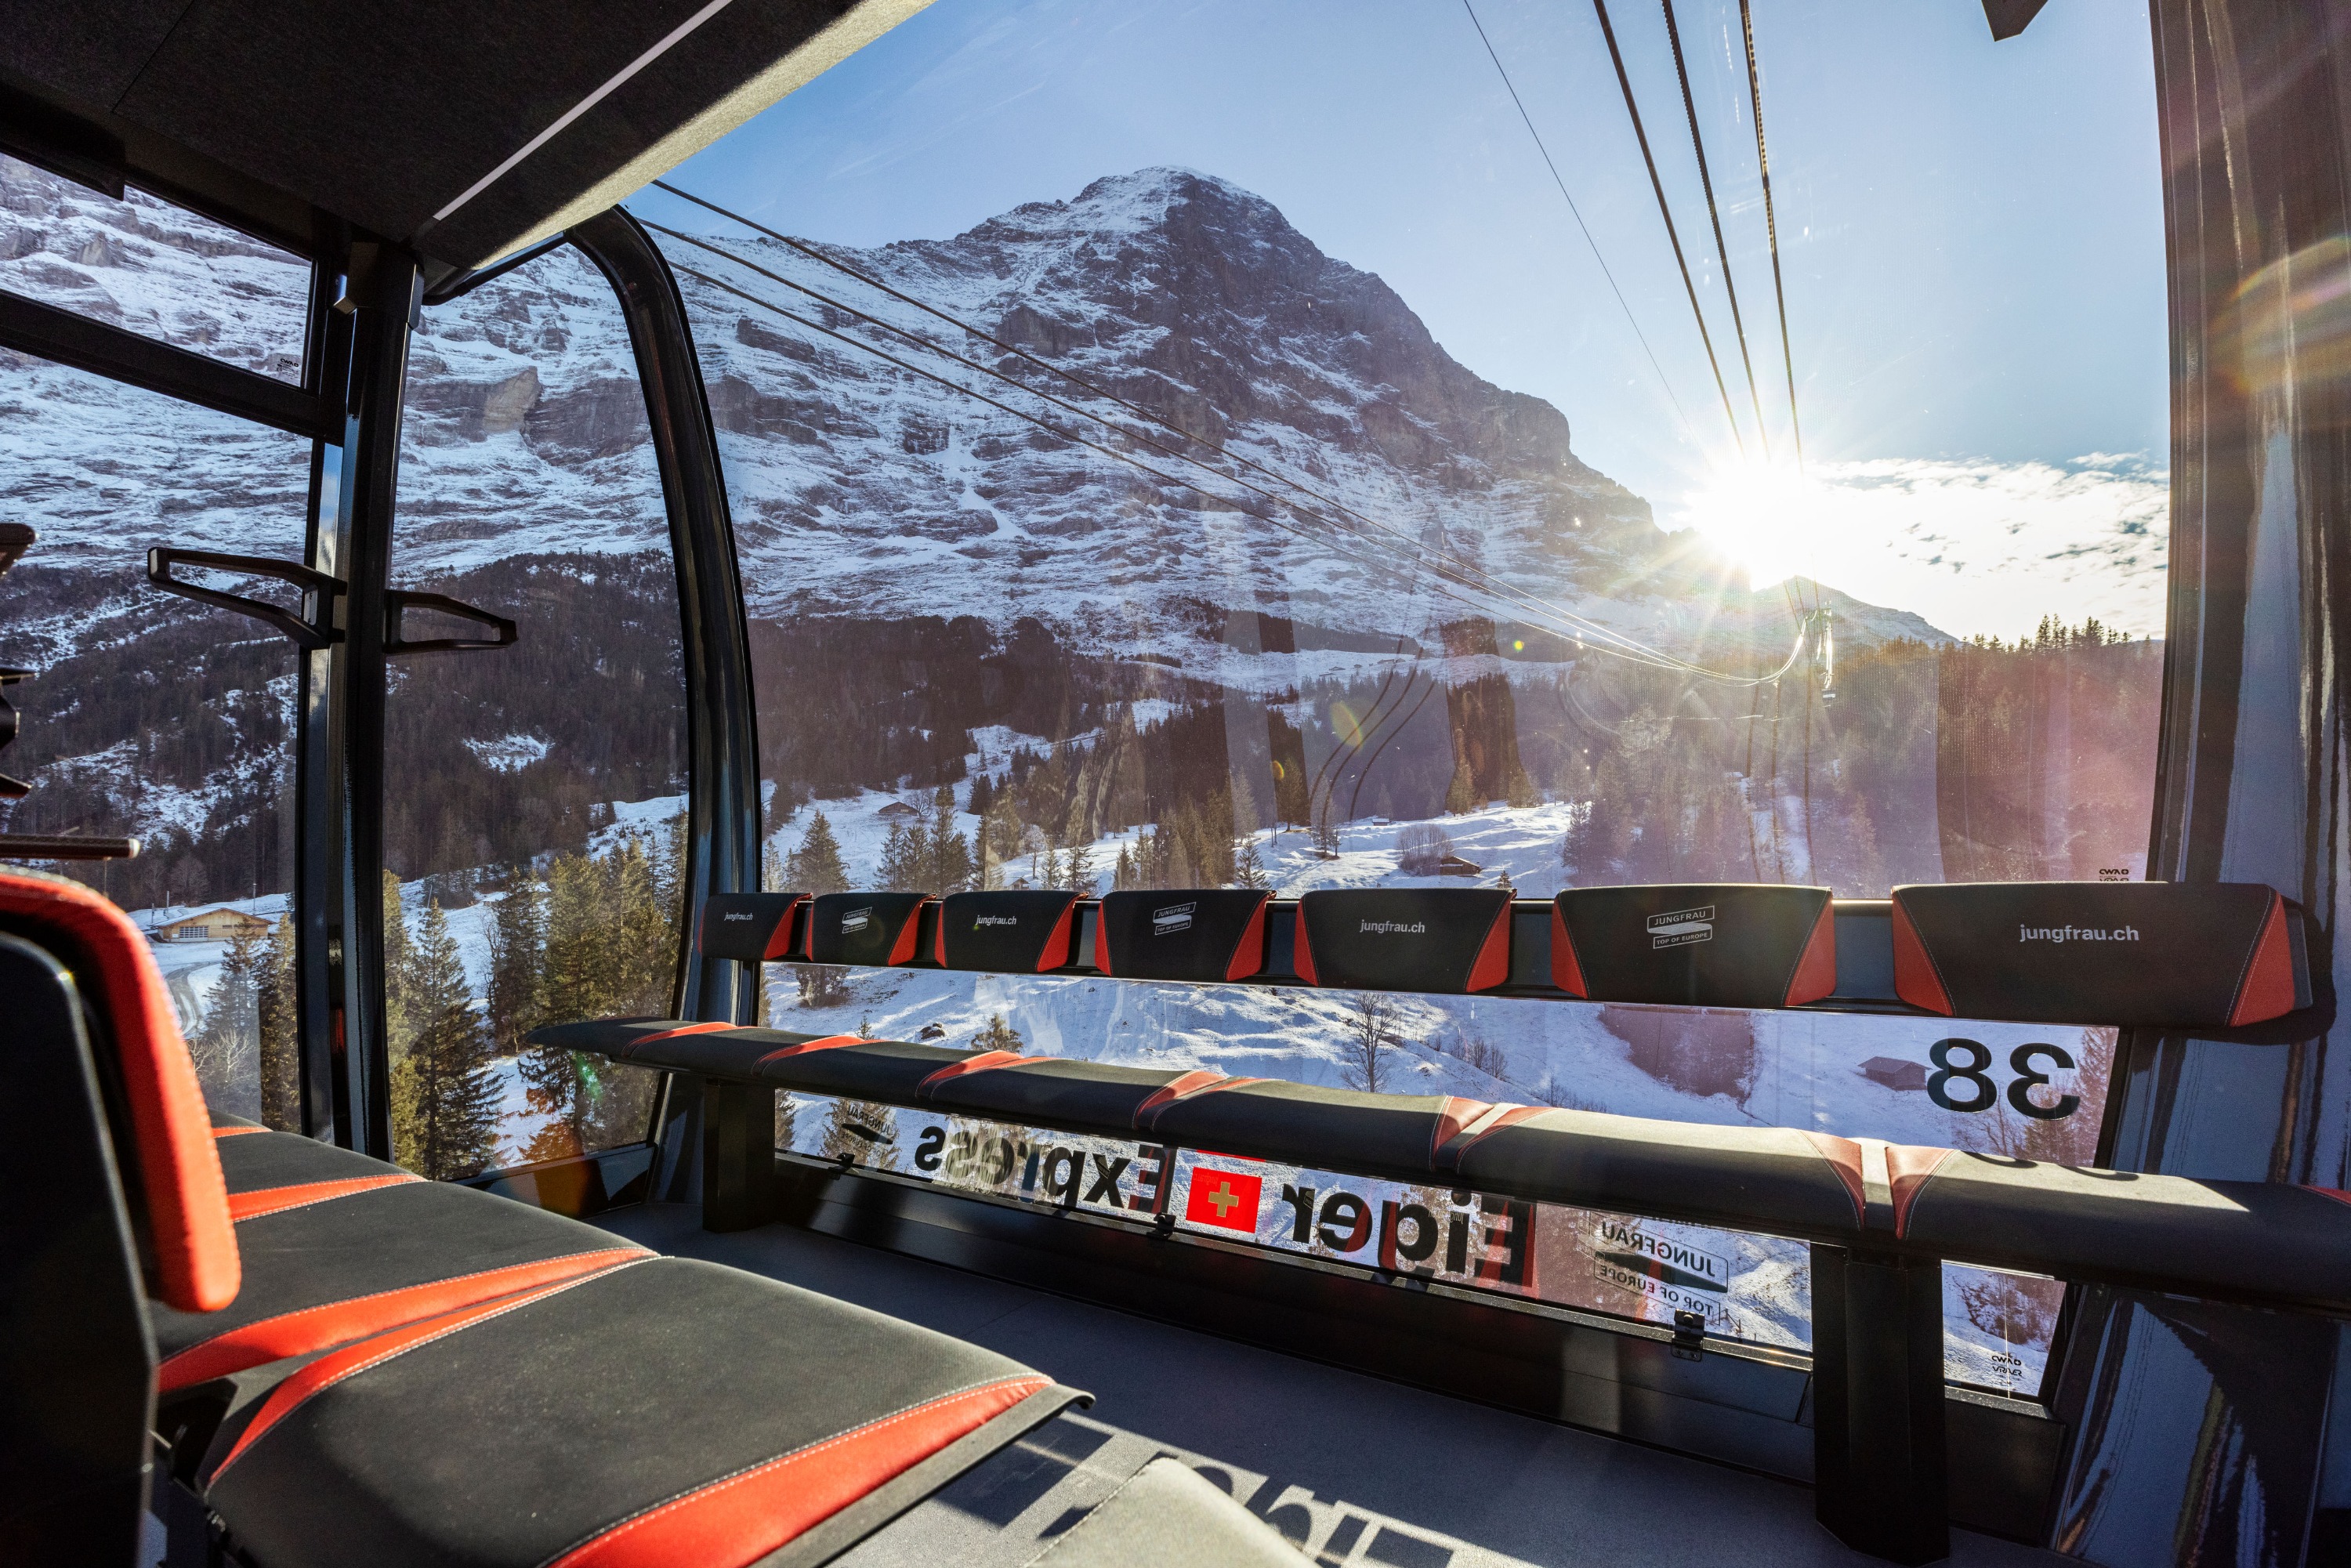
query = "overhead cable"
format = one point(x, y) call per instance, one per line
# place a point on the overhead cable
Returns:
point(1714, 216)
point(802, 247)
point(1770, 222)
point(1517, 601)
point(1513, 602)
point(1580, 224)
point(1410, 577)
point(1625, 82)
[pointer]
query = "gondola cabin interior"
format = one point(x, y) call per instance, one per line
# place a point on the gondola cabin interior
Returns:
point(793, 781)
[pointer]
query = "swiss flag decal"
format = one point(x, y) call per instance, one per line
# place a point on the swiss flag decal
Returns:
point(1225, 1199)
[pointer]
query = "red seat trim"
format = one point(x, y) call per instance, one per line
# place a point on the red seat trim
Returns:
point(278, 1200)
point(1844, 1156)
point(338, 1323)
point(984, 1062)
point(1916, 978)
point(744, 1517)
point(329, 1370)
point(1493, 965)
point(678, 1032)
point(1302, 951)
point(186, 1200)
point(1565, 972)
point(2266, 990)
point(829, 1042)
point(1815, 975)
point(1907, 1166)
point(235, 1132)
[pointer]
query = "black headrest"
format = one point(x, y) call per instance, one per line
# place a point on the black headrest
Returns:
point(1717, 945)
point(1022, 932)
point(870, 928)
point(751, 926)
point(1404, 939)
point(1182, 933)
point(2183, 954)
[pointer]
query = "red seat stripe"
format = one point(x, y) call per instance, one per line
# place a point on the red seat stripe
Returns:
point(1844, 1156)
point(235, 1132)
point(983, 1063)
point(328, 1370)
point(278, 1200)
point(829, 1042)
point(674, 1033)
point(1907, 1166)
point(747, 1515)
point(338, 1323)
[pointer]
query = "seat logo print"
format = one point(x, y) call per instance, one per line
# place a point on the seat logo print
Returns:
point(856, 920)
point(733, 915)
point(1681, 927)
point(2076, 934)
point(1174, 918)
point(1395, 927)
point(996, 920)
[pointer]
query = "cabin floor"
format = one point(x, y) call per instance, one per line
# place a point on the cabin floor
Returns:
point(1356, 1470)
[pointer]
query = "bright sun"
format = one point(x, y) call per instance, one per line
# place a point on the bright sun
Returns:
point(1772, 521)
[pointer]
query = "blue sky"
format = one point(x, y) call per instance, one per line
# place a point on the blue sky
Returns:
point(1971, 236)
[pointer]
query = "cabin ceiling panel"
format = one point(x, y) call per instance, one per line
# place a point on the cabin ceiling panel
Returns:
point(387, 116)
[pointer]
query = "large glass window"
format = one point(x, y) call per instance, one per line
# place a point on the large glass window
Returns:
point(152, 269)
point(1258, 472)
point(147, 715)
point(533, 794)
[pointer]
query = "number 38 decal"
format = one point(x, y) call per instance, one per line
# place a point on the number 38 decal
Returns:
point(1961, 1062)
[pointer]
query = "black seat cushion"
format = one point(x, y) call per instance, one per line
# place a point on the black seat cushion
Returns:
point(340, 1266)
point(255, 1160)
point(666, 1411)
point(1048, 1092)
point(1331, 1129)
point(2290, 1243)
point(1776, 1179)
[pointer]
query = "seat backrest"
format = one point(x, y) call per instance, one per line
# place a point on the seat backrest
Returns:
point(110, 1144)
point(1446, 939)
point(1716, 944)
point(171, 1172)
point(2176, 954)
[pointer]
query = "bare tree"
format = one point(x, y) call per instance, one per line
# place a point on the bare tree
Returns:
point(1422, 848)
point(1371, 1036)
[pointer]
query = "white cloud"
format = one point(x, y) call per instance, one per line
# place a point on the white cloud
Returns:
point(1974, 546)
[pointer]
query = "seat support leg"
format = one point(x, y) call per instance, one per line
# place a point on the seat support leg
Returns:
point(1877, 1403)
point(738, 1155)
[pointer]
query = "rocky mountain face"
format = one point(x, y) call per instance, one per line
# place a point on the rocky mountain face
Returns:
point(862, 487)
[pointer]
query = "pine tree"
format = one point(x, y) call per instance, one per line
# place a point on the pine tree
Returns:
point(279, 1024)
point(1002, 831)
point(517, 965)
point(227, 1049)
point(1248, 867)
point(1519, 793)
point(1461, 795)
point(816, 866)
point(444, 1095)
point(1121, 876)
point(1080, 872)
point(399, 970)
point(997, 1036)
point(906, 859)
point(951, 862)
